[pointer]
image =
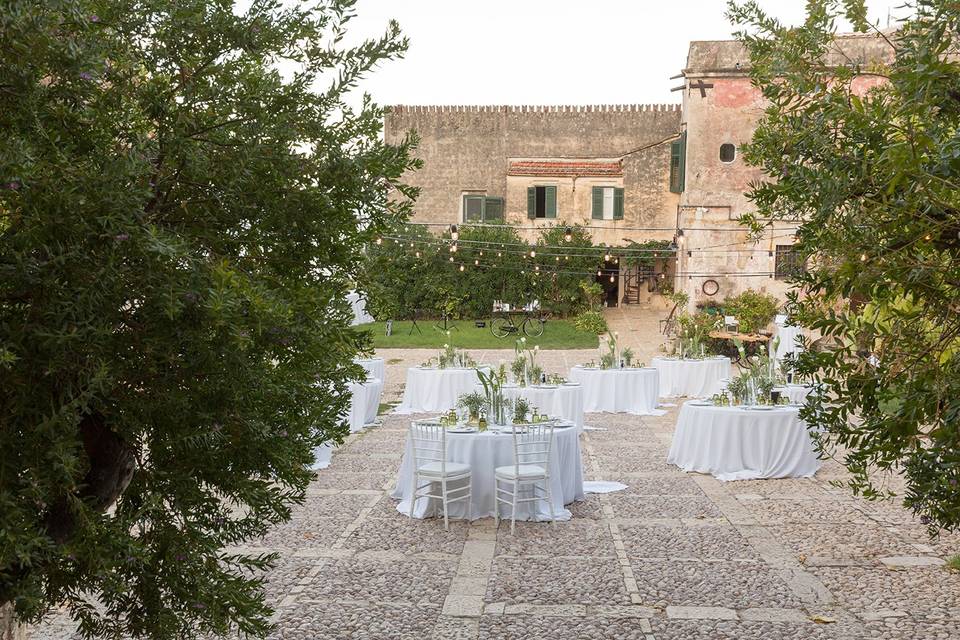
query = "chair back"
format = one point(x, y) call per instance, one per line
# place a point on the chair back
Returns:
point(429, 444)
point(533, 446)
point(730, 320)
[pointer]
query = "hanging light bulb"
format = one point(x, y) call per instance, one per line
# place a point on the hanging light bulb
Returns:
point(606, 257)
point(927, 237)
point(533, 254)
point(863, 257)
point(558, 258)
point(451, 258)
point(453, 248)
point(476, 263)
point(454, 234)
point(379, 240)
point(566, 257)
point(568, 236)
point(481, 252)
point(461, 267)
point(417, 254)
point(499, 255)
point(598, 273)
point(536, 268)
point(611, 278)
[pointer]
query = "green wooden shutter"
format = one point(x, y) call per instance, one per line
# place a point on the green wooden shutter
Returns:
point(550, 208)
point(493, 210)
point(597, 203)
point(531, 202)
point(618, 204)
point(678, 163)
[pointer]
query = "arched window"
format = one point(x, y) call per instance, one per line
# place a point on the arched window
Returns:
point(727, 152)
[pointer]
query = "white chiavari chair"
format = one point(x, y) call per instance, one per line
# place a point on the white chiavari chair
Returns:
point(532, 452)
point(430, 465)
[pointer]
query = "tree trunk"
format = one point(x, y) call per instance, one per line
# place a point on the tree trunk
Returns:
point(10, 629)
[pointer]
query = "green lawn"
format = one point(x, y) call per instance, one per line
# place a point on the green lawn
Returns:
point(557, 334)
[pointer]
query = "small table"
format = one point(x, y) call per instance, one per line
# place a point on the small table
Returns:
point(364, 403)
point(433, 390)
point(737, 443)
point(486, 451)
point(373, 366)
point(694, 378)
point(797, 393)
point(629, 390)
point(564, 401)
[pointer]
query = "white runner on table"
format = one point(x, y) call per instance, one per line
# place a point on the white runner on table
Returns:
point(486, 451)
point(734, 443)
point(432, 390)
point(693, 378)
point(632, 390)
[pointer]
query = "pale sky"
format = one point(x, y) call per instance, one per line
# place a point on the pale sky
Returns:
point(549, 51)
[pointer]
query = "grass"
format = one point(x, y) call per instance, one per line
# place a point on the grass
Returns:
point(953, 563)
point(557, 334)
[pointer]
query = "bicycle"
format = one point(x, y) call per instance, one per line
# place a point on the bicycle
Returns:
point(503, 325)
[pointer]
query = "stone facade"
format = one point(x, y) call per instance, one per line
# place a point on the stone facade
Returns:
point(469, 150)
point(724, 111)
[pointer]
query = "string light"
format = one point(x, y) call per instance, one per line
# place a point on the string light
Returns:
point(863, 257)
point(451, 258)
point(379, 240)
point(476, 263)
point(499, 255)
point(568, 236)
point(611, 278)
point(536, 268)
point(598, 273)
point(461, 267)
point(453, 248)
point(417, 254)
point(533, 254)
point(454, 234)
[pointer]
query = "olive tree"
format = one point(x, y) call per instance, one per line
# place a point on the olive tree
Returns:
point(186, 191)
point(866, 153)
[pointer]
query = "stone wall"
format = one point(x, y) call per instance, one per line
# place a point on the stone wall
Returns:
point(467, 148)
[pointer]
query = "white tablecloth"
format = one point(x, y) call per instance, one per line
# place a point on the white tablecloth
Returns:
point(693, 378)
point(436, 390)
point(732, 443)
point(562, 401)
point(486, 451)
point(364, 403)
point(373, 366)
point(618, 390)
point(788, 340)
point(796, 392)
point(359, 306)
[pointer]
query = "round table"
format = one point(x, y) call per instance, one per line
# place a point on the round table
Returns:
point(694, 378)
point(486, 451)
point(373, 366)
point(432, 390)
point(737, 443)
point(563, 401)
point(630, 390)
point(796, 392)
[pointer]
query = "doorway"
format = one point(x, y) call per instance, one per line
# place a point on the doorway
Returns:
point(609, 279)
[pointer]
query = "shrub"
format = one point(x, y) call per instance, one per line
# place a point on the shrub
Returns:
point(754, 310)
point(591, 321)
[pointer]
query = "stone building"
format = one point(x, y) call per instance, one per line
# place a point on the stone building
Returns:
point(634, 172)
point(720, 112)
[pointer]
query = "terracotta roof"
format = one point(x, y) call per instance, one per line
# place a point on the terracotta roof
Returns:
point(565, 168)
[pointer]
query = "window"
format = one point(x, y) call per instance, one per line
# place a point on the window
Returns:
point(788, 262)
point(480, 208)
point(607, 203)
point(678, 163)
point(541, 202)
point(727, 152)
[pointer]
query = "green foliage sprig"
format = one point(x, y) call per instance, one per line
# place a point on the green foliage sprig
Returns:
point(864, 153)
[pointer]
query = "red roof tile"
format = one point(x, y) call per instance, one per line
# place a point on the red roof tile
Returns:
point(566, 168)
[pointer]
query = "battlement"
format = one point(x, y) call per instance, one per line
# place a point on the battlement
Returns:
point(527, 108)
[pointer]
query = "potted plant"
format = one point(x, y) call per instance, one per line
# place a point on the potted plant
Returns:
point(474, 403)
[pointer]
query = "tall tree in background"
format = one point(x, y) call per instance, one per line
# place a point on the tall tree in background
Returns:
point(868, 156)
point(179, 224)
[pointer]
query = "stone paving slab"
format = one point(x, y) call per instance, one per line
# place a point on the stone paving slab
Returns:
point(674, 556)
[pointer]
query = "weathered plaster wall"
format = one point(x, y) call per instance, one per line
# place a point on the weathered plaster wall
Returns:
point(467, 149)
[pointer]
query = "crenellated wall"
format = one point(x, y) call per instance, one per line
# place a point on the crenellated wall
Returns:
point(467, 149)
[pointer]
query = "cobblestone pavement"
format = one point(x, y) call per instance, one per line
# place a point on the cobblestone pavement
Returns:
point(675, 556)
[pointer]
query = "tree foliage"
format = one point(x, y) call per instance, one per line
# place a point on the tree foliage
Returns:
point(412, 272)
point(867, 154)
point(179, 225)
